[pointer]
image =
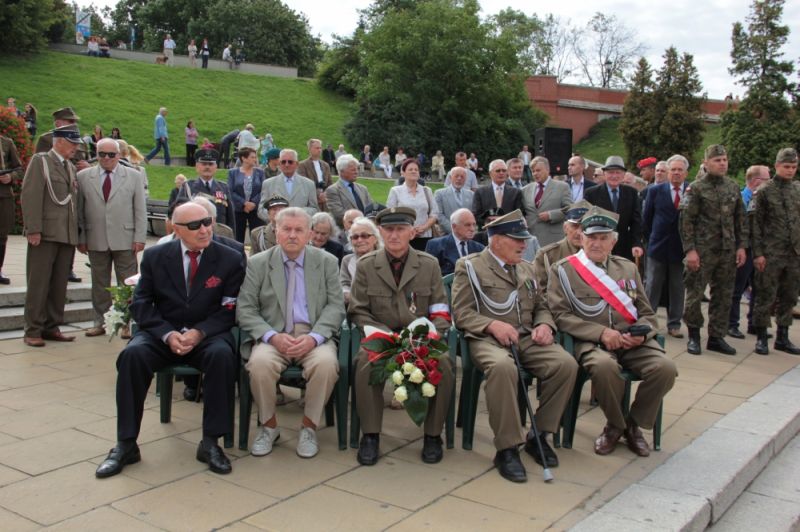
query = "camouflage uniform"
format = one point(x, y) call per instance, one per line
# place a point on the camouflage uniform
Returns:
point(712, 223)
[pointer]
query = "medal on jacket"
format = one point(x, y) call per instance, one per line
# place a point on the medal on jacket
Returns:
point(530, 286)
point(412, 300)
point(220, 197)
point(632, 289)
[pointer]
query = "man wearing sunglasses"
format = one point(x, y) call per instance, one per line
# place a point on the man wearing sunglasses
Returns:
point(112, 217)
point(185, 305)
point(215, 191)
point(300, 191)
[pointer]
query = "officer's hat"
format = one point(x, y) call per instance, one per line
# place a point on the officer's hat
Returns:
point(69, 132)
point(372, 210)
point(206, 156)
point(396, 216)
point(65, 113)
point(597, 220)
point(512, 225)
point(492, 212)
point(786, 155)
point(273, 154)
point(577, 210)
point(276, 201)
point(715, 150)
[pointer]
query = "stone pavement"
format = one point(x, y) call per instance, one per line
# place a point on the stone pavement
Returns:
point(57, 422)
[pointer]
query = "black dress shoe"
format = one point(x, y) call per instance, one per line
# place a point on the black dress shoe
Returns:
point(215, 458)
point(718, 344)
point(549, 454)
point(73, 278)
point(509, 465)
point(432, 449)
point(117, 459)
point(4, 279)
point(368, 449)
point(190, 394)
point(693, 345)
point(734, 332)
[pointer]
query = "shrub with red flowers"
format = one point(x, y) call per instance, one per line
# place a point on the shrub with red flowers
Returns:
point(13, 127)
point(410, 359)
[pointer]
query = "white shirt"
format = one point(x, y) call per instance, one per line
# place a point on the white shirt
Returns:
point(169, 44)
point(577, 189)
point(458, 246)
point(318, 169)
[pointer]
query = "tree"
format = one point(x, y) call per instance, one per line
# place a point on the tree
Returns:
point(764, 122)
point(638, 114)
point(340, 69)
point(606, 50)
point(438, 79)
point(25, 25)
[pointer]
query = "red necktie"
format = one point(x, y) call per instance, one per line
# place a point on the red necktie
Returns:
point(193, 265)
point(539, 193)
point(677, 190)
point(107, 185)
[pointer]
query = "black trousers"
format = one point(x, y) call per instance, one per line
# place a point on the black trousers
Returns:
point(145, 355)
point(190, 149)
point(243, 219)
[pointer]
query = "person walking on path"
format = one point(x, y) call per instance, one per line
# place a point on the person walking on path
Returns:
point(161, 137)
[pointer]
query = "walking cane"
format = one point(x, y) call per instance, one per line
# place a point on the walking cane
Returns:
point(534, 433)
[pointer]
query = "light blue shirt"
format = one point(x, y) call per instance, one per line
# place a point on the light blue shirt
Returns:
point(161, 127)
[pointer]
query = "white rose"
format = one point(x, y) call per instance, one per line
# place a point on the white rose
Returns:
point(408, 367)
point(401, 394)
point(397, 378)
point(428, 389)
point(416, 376)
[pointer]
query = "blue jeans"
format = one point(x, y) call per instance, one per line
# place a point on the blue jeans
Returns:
point(160, 144)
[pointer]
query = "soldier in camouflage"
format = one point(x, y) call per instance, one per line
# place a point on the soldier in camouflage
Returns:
point(712, 230)
point(776, 248)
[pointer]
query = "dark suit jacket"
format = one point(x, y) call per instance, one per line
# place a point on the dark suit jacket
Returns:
point(222, 199)
point(445, 250)
point(483, 200)
point(236, 186)
point(629, 226)
point(661, 224)
point(336, 249)
point(161, 304)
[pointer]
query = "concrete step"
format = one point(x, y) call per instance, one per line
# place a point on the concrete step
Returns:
point(12, 318)
point(15, 296)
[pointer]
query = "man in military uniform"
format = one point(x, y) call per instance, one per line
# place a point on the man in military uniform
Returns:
point(569, 245)
point(600, 300)
point(712, 230)
point(393, 286)
point(10, 167)
point(497, 304)
point(49, 197)
point(215, 191)
point(776, 248)
point(263, 237)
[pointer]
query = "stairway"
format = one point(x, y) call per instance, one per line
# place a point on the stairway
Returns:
point(12, 306)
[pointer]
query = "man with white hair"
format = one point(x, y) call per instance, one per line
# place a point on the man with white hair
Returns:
point(497, 194)
point(161, 137)
point(346, 194)
point(300, 191)
point(545, 201)
point(449, 248)
point(453, 197)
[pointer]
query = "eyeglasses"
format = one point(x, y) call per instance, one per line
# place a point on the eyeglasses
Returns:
point(361, 236)
point(195, 225)
point(288, 162)
point(107, 154)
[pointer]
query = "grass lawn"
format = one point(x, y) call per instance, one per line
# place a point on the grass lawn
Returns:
point(128, 94)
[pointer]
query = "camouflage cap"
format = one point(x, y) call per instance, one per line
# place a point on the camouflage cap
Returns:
point(511, 225)
point(577, 210)
point(396, 216)
point(715, 150)
point(65, 113)
point(598, 220)
point(786, 155)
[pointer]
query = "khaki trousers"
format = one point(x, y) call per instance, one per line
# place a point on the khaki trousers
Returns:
point(369, 399)
point(46, 270)
point(555, 369)
point(320, 370)
point(125, 265)
point(649, 362)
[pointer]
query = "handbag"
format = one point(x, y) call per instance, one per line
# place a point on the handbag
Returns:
point(436, 229)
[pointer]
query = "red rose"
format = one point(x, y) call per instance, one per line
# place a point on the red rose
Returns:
point(422, 351)
point(432, 364)
point(420, 364)
point(435, 377)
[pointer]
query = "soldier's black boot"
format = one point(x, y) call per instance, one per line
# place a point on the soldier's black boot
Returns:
point(782, 342)
point(693, 345)
point(718, 344)
point(762, 346)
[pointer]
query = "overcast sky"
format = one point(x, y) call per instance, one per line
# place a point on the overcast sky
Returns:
point(699, 27)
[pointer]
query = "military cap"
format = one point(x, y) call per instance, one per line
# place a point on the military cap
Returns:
point(273, 153)
point(65, 113)
point(372, 210)
point(492, 212)
point(206, 155)
point(786, 155)
point(396, 216)
point(69, 132)
point(614, 161)
point(511, 225)
point(577, 210)
point(647, 161)
point(276, 200)
point(598, 220)
point(715, 150)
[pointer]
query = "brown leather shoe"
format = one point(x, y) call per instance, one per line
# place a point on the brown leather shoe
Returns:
point(675, 333)
point(635, 440)
point(57, 336)
point(125, 332)
point(95, 331)
point(605, 443)
point(33, 341)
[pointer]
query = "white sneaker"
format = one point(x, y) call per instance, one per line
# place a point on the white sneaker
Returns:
point(262, 445)
point(307, 443)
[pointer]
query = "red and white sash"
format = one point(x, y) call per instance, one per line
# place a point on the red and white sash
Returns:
point(604, 285)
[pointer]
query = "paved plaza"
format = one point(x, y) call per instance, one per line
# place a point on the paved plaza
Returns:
point(58, 421)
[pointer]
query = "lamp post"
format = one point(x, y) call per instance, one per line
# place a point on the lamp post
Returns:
point(607, 73)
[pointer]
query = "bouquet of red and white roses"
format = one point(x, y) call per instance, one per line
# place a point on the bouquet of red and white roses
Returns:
point(410, 359)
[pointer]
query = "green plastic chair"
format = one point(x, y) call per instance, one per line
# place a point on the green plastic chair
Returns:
point(293, 376)
point(569, 420)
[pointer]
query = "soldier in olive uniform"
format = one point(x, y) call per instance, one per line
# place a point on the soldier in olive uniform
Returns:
point(49, 197)
point(392, 287)
point(600, 300)
point(11, 166)
point(263, 237)
point(712, 230)
point(776, 252)
point(569, 245)
point(497, 304)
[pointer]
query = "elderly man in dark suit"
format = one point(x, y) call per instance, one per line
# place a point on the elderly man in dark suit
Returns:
point(449, 248)
point(216, 191)
point(623, 200)
point(498, 194)
point(185, 305)
point(661, 227)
